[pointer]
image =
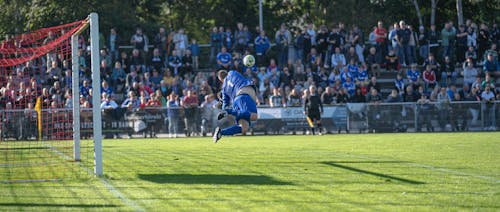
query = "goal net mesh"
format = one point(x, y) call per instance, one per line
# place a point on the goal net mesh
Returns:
point(35, 104)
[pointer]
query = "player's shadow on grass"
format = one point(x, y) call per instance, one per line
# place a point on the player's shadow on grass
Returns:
point(212, 179)
point(388, 177)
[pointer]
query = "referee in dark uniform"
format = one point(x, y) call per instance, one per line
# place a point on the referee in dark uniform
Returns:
point(313, 109)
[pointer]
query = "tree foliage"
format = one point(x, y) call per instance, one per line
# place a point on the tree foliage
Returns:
point(198, 16)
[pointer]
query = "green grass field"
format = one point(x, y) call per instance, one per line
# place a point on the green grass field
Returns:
point(388, 172)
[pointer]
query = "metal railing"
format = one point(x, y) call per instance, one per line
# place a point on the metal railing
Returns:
point(430, 117)
point(176, 122)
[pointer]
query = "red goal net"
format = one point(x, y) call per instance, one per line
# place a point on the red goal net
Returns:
point(35, 102)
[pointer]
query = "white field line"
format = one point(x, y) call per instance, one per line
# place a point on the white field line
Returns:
point(120, 195)
point(419, 165)
point(106, 183)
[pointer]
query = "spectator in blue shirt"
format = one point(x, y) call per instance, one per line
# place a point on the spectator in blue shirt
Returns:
point(399, 83)
point(413, 74)
point(105, 88)
point(452, 90)
point(195, 52)
point(362, 75)
point(403, 37)
point(262, 44)
point(491, 66)
point(155, 80)
point(240, 38)
point(132, 103)
point(114, 40)
point(350, 86)
point(85, 88)
point(228, 39)
point(215, 43)
point(118, 76)
point(224, 59)
point(173, 114)
point(174, 63)
point(353, 68)
point(344, 75)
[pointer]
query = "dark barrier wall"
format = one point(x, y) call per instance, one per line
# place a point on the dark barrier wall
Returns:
point(174, 122)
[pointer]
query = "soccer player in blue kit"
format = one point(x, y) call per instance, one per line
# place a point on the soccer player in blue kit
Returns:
point(238, 99)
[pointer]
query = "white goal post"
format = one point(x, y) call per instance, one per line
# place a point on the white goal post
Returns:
point(93, 22)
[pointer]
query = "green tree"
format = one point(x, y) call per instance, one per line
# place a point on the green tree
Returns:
point(199, 16)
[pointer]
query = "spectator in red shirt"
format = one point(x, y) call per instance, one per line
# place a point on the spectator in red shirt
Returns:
point(190, 105)
point(380, 39)
point(143, 87)
point(143, 102)
point(429, 77)
point(154, 101)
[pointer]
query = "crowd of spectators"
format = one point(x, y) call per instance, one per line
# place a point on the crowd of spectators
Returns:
point(344, 64)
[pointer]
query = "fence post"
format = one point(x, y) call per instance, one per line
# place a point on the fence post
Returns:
point(415, 116)
point(481, 108)
point(348, 119)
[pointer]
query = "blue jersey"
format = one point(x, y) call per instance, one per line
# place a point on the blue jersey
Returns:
point(413, 75)
point(362, 75)
point(353, 69)
point(85, 91)
point(108, 90)
point(351, 87)
point(195, 49)
point(344, 76)
point(233, 82)
point(400, 85)
point(261, 45)
point(224, 58)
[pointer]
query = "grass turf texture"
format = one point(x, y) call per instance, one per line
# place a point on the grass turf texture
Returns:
point(430, 172)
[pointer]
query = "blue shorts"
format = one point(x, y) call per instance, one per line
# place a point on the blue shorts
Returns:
point(243, 103)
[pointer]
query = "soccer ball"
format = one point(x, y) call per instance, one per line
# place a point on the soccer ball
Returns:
point(249, 60)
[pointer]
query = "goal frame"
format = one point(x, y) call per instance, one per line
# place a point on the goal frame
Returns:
point(92, 21)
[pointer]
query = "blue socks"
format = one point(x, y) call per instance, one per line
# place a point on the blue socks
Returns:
point(231, 130)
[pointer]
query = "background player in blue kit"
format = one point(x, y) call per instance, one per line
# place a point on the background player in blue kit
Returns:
point(238, 99)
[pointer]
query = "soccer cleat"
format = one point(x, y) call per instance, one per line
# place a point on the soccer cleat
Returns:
point(221, 115)
point(217, 135)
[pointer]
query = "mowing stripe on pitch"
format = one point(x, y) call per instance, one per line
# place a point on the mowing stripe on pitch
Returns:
point(454, 172)
point(106, 183)
point(120, 195)
point(419, 165)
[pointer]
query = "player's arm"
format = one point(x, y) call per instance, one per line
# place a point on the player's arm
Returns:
point(225, 105)
point(225, 100)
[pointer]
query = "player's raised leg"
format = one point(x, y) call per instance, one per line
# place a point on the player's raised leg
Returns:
point(245, 110)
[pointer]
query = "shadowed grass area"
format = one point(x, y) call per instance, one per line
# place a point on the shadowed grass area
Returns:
point(74, 206)
point(370, 172)
point(387, 177)
point(211, 179)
